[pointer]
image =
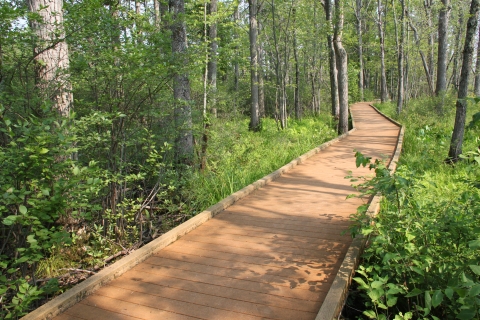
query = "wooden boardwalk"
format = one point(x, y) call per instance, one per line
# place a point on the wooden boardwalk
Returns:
point(271, 255)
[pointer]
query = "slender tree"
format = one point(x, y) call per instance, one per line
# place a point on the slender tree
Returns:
point(332, 60)
point(212, 61)
point(381, 35)
point(51, 54)
point(181, 86)
point(477, 68)
point(461, 105)
point(400, 60)
point(342, 67)
point(443, 20)
point(253, 34)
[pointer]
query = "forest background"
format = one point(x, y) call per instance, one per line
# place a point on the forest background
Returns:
point(122, 119)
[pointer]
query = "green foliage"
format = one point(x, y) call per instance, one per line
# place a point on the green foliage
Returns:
point(238, 157)
point(423, 257)
point(40, 186)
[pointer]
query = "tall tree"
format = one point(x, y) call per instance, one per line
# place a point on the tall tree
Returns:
point(342, 67)
point(381, 35)
point(51, 54)
point(443, 20)
point(332, 60)
point(212, 61)
point(461, 105)
point(400, 60)
point(181, 86)
point(298, 110)
point(253, 35)
point(359, 27)
point(477, 68)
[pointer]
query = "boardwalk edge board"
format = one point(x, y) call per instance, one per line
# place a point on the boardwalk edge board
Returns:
point(335, 300)
point(87, 287)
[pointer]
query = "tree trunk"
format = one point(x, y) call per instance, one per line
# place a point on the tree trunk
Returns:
point(51, 54)
point(477, 68)
point(298, 111)
point(427, 4)
point(461, 106)
point(359, 25)
point(424, 60)
point(401, 74)
point(456, 55)
point(261, 84)
point(332, 62)
point(342, 65)
point(442, 52)
point(212, 61)
point(181, 86)
point(254, 111)
point(383, 73)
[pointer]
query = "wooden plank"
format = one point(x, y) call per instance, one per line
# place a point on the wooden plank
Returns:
point(324, 233)
point(315, 292)
point(222, 291)
point(242, 270)
point(263, 232)
point(168, 305)
point(87, 312)
point(321, 259)
point(270, 241)
point(268, 262)
point(226, 304)
point(133, 309)
point(296, 253)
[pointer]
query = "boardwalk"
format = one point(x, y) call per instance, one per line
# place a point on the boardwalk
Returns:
point(272, 255)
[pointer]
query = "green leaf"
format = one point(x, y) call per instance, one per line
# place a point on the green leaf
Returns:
point(22, 209)
point(466, 314)
point(437, 298)
point(45, 192)
point(474, 291)
point(449, 293)
point(76, 170)
point(370, 313)
point(475, 244)
point(415, 292)
point(44, 150)
point(375, 294)
point(391, 301)
point(8, 221)
point(428, 300)
point(376, 284)
point(361, 282)
point(475, 269)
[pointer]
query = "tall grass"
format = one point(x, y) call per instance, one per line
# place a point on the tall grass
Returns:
point(238, 157)
point(423, 258)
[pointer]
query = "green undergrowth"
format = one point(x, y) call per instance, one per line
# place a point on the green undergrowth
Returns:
point(238, 157)
point(68, 207)
point(422, 260)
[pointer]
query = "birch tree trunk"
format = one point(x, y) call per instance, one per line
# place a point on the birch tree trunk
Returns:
point(477, 68)
point(443, 20)
point(332, 61)
point(359, 26)
point(461, 105)
point(298, 111)
point(342, 67)
point(181, 86)
point(51, 54)
point(401, 73)
point(253, 33)
point(383, 74)
point(212, 61)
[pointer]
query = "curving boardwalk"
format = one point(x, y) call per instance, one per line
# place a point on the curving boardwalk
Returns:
point(271, 255)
